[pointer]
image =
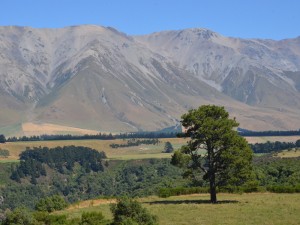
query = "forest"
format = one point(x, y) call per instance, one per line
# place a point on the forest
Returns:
point(62, 159)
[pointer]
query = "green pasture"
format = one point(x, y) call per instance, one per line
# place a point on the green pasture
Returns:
point(232, 209)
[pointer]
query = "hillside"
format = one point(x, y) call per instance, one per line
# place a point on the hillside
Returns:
point(100, 79)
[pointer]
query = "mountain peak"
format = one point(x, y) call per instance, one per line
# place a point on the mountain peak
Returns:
point(98, 77)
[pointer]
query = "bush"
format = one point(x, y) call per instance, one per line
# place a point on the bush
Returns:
point(131, 212)
point(49, 219)
point(18, 217)
point(51, 204)
point(4, 153)
point(92, 218)
point(168, 147)
point(284, 189)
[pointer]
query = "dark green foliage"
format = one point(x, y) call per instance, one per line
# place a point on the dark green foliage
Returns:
point(134, 142)
point(168, 147)
point(60, 158)
point(133, 178)
point(273, 146)
point(16, 195)
point(51, 219)
point(272, 171)
point(284, 189)
point(249, 133)
point(128, 211)
point(2, 138)
point(19, 216)
point(152, 135)
point(51, 204)
point(92, 218)
point(146, 177)
point(29, 167)
point(228, 158)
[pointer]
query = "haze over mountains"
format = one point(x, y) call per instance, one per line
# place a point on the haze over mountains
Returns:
point(98, 78)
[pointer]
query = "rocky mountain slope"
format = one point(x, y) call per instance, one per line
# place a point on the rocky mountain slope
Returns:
point(99, 78)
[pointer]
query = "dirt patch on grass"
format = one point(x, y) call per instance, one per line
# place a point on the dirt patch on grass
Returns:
point(91, 203)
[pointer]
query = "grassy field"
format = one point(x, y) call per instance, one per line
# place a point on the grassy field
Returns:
point(289, 153)
point(136, 152)
point(233, 209)
point(253, 140)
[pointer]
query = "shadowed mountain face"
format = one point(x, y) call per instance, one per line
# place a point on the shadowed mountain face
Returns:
point(98, 78)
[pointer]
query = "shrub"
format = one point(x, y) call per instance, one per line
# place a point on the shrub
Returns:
point(51, 204)
point(4, 153)
point(131, 212)
point(18, 217)
point(284, 189)
point(92, 218)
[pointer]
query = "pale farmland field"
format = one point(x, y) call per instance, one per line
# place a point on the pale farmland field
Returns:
point(136, 152)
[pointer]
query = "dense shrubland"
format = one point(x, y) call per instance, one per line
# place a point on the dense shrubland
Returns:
point(132, 178)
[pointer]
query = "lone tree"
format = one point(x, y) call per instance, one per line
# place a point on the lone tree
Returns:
point(227, 159)
point(168, 147)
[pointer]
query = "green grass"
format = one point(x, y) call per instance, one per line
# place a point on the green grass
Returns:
point(295, 152)
point(233, 209)
point(5, 160)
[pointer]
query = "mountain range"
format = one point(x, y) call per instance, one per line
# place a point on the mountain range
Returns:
point(100, 79)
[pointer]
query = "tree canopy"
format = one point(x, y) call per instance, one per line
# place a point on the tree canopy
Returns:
point(130, 212)
point(215, 149)
point(2, 138)
point(168, 147)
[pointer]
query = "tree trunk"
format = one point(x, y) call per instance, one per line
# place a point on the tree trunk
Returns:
point(213, 191)
point(211, 173)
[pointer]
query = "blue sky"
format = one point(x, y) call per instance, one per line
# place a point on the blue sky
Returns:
point(274, 19)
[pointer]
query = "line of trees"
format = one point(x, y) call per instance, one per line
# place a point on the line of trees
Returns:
point(269, 147)
point(103, 136)
point(100, 136)
point(249, 133)
point(136, 142)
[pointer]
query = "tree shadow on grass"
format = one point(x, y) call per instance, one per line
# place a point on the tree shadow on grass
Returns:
point(170, 202)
